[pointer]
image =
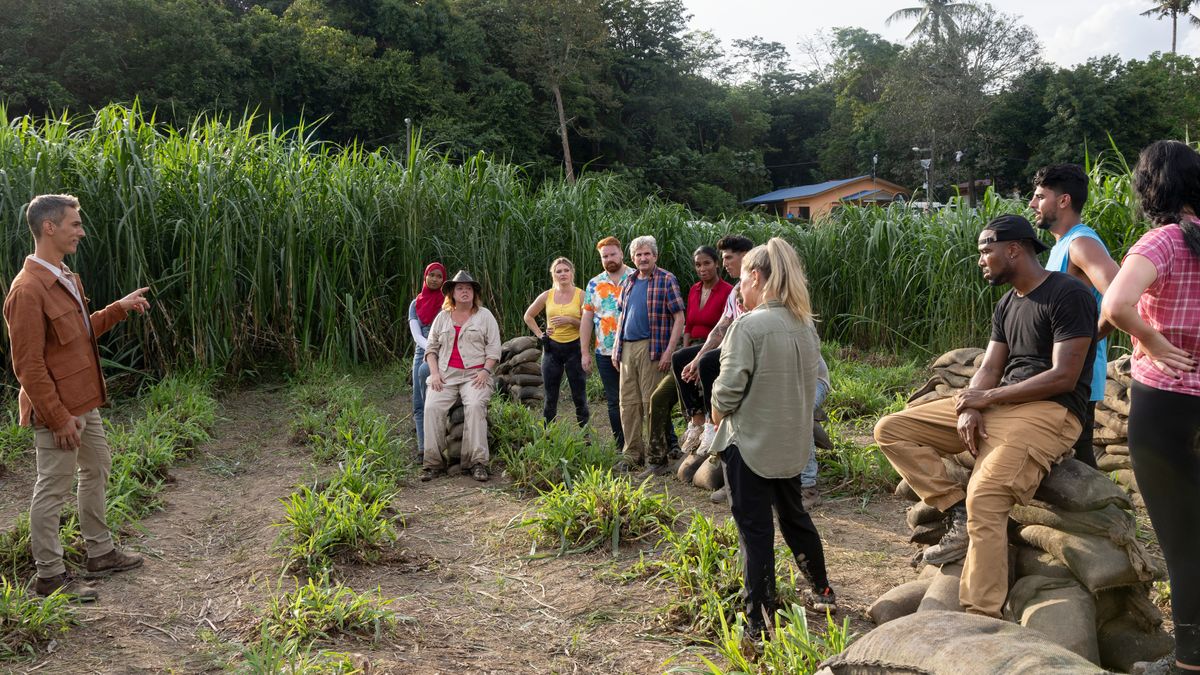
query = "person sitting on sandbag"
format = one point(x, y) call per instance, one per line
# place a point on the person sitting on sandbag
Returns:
point(1020, 414)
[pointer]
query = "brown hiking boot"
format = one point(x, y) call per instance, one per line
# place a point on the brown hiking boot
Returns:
point(68, 586)
point(113, 561)
point(480, 473)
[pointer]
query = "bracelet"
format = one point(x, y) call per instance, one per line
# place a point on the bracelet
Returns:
point(486, 370)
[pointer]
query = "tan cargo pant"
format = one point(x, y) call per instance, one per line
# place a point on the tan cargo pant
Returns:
point(1024, 441)
point(55, 476)
point(457, 383)
point(639, 378)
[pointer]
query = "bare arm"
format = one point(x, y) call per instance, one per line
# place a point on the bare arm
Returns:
point(664, 363)
point(1067, 361)
point(1100, 269)
point(535, 308)
point(992, 369)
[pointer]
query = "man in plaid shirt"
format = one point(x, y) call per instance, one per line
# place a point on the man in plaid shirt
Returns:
point(650, 327)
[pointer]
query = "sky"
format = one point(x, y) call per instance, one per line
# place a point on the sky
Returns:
point(1071, 31)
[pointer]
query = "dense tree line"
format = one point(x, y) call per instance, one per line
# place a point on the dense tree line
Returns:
point(611, 85)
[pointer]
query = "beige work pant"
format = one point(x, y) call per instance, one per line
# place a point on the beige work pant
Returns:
point(639, 378)
point(55, 476)
point(457, 383)
point(1024, 441)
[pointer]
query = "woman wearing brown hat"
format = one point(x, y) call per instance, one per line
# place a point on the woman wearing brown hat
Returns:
point(462, 351)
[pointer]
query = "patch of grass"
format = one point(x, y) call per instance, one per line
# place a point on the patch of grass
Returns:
point(597, 508)
point(867, 386)
point(795, 648)
point(28, 622)
point(702, 568)
point(15, 440)
point(321, 528)
point(512, 425)
point(554, 457)
point(852, 468)
point(319, 609)
point(269, 656)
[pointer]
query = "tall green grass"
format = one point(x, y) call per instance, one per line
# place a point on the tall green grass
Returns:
point(261, 245)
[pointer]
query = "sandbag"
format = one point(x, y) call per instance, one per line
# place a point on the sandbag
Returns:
point(1123, 643)
point(963, 371)
point(964, 459)
point(455, 432)
point(1060, 609)
point(1127, 479)
point(457, 414)
point(904, 490)
point(900, 601)
point(928, 397)
point(1116, 423)
point(709, 476)
point(956, 381)
point(1110, 521)
point(453, 451)
point(1075, 486)
point(517, 345)
point(942, 593)
point(526, 393)
point(925, 390)
point(921, 513)
point(1096, 561)
point(821, 437)
point(953, 643)
point(522, 379)
point(928, 534)
point(1032, 561)
point(1113, 389)
point(1117, 449)
point(1117, 405)
point(1107, 436)
point(956, 472)
point(1107, 462)
point(527, 368)
point(527, 356)
point(962, 355)
point(1131, 602)
point(688, 467)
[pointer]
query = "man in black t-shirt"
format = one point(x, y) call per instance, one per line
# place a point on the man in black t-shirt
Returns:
point(1020, 414)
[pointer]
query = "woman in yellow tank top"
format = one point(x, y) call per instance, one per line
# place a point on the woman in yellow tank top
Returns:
point(563, 305)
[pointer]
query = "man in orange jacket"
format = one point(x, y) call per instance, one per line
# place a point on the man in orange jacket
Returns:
point(55, 358)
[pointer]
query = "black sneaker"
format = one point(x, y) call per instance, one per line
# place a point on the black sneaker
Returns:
point(953, 545)
point(428, 474)
point(822, 600)
point(653, 470)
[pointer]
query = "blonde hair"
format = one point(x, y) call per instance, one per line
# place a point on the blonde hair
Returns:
point(783, 275)
point(561, 261)
point(476, 301)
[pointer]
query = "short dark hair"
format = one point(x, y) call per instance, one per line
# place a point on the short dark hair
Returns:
point(1065, 179)
point(735, 242)
point(1167, 179)
point(47, 207)
point(708, 251)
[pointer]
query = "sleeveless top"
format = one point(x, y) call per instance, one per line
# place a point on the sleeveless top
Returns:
point(573, 308)
point(1059, 260)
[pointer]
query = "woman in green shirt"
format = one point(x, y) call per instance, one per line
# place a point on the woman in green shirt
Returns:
point(769, 364)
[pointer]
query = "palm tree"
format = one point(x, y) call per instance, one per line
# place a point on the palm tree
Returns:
point(935, 18)
point(1173, 9)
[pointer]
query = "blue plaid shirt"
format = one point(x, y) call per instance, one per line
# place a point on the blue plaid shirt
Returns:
point(663, 300)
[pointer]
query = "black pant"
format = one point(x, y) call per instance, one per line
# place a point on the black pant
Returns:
point(695, 398)
point(752, 497)
point(1084, 451)
point(1164, 444)
point(611, 377)
point(557, 357)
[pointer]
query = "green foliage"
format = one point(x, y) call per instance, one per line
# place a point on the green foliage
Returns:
point(557, 455)
point(511, 425)
point(292, 656)
point(27, 621)
point(597, 509)
point(795, 648)
point(319, 609)
point(864, 389)
point(321, 528)
point(15, 440)
point(855, 469)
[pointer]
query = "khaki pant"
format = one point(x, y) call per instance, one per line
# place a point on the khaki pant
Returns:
point(1024, 441)
point(639, 377)
point(55, 475)
point(457, 383)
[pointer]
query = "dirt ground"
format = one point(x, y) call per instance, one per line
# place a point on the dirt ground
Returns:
point(473, 598)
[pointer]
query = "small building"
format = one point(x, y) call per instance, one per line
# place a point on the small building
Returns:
point(810, 201)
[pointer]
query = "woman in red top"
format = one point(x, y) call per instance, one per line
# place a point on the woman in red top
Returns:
point(706, 302)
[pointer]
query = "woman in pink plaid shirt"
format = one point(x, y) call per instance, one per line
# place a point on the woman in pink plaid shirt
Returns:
point(1156, 299)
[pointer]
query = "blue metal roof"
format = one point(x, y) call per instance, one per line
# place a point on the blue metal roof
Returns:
point(864, 194)
point(801, 191)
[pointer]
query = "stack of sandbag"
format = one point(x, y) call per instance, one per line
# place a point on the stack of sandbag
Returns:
point(1078, 574)
point(952, 372)
point(1110, 436)
point(519, 373)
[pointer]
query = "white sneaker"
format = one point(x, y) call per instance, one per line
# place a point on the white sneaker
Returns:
point(706, 439)
point(691, 438)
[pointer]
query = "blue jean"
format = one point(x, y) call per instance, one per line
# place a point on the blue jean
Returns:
point(611, 377)
point(808, 477)
point(420, 375)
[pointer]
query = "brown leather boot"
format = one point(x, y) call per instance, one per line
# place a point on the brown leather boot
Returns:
point(113, 561)
point(77, 590)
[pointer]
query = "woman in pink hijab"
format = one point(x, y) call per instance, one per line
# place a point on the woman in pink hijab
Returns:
point(421, 313)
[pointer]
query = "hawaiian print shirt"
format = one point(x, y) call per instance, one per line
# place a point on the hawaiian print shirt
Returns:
point(601, 299)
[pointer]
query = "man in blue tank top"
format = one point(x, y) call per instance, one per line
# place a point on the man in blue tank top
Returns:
point(1059, 192)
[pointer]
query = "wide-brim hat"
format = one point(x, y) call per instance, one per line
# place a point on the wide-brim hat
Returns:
point(461, 277)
